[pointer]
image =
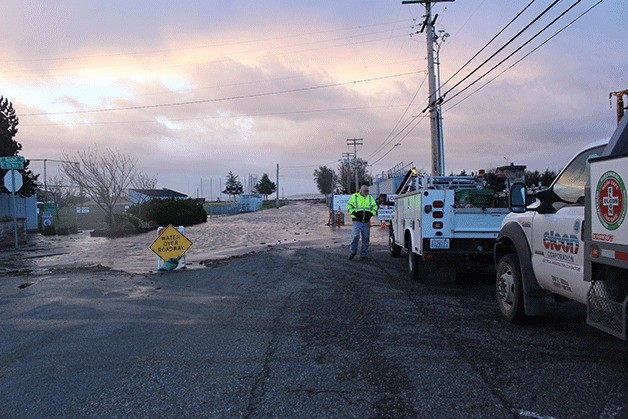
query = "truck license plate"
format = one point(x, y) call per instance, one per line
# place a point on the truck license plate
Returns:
point(439, 243)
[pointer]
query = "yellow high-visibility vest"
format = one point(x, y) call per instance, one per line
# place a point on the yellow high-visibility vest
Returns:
point(358, 203)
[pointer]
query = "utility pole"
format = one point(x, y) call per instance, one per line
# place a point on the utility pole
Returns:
point(346, 159)
point(620, 103)
point(439, 39)
point(355, 142)
point(277, 188)
point(438, 168)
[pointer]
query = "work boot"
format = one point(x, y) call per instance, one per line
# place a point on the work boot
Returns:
point(351, 256)
point(365, 258)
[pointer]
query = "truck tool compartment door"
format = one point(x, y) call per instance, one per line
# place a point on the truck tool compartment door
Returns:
point(558, 255)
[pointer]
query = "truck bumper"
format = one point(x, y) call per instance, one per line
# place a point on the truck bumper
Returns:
point(462, 251)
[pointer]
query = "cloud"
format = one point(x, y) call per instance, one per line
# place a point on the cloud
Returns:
point(272, 83)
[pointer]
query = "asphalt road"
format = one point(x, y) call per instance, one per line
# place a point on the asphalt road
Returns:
point(295, 331)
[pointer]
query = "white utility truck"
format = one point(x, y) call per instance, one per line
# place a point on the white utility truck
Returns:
point(446, 223)
point(572, 242)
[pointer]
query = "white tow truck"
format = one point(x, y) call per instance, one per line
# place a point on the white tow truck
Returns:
point(572, 242)
point(446, 224)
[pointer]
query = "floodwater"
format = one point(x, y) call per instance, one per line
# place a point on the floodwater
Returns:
point(300, 223)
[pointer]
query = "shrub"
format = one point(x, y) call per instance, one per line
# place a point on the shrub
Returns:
point(178, 212)
point(128, 221)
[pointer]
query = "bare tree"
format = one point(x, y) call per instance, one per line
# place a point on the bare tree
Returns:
point(346, 174)
point(103, 177)
point(143, 181)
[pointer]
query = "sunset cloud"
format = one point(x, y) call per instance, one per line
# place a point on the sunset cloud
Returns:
point(204, 88)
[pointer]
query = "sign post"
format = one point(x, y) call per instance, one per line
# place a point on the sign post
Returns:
point(13, 182)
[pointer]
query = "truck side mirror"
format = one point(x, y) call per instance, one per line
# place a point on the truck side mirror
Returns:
point(517, 198)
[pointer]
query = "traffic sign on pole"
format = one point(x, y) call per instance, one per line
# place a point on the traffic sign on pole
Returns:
point(13, 181)
point(12, 162)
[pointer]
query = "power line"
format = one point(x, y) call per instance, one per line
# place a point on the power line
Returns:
point(200, 60)
point(514, 52)
point(420, 119)
point(482, 49)
point(222, 99)
point(524, 57)
point(252, 41)
point(388, 140)
point(354, 108)
point(488, 43)
point(503, 47)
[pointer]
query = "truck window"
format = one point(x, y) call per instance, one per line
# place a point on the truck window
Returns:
point(569, 186)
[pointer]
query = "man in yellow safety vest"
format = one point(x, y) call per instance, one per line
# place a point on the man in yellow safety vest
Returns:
point(361, 208)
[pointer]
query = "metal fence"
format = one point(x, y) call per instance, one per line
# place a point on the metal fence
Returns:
point(242, 203)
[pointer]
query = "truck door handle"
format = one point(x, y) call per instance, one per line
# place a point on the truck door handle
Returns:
point(582, 231)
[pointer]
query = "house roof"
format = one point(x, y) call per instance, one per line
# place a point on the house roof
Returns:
point(160, 193)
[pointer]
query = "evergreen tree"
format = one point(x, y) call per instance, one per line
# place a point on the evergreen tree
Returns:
point(265, 186)
point(326, 179)
point(545, 179)
point(10, 147)
point(233, 186)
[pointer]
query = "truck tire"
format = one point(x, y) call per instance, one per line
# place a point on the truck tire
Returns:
point(509, 289)
point(414, 264)
point(395, 249)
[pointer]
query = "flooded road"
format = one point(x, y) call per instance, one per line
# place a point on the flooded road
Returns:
point(220, 237)
point(291, 330)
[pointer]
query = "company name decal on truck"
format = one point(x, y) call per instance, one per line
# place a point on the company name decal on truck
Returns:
point(567, 243)
point(561, 283)
point(603, 237)
point(610, 196)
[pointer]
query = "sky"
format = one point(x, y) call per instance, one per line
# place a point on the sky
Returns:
point(202, 88)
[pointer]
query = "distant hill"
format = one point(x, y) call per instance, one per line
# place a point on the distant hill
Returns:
point(306, 197)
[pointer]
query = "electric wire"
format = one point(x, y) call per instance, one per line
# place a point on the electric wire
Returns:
point(199, 61)
point(511, 40)
point(419, 120)
point(202, 118)
point(159, 51)
point(513, 53)
point(388, 139)
point(484, 47)
point(488, 43)
point(222, 99)
point(386, 142)
point(524, 57)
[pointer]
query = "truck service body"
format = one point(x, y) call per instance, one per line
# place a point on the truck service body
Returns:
point(606, 238)
point(572, 235)
point(440, 233)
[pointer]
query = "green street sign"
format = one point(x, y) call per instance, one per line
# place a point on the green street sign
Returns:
point(12, 162)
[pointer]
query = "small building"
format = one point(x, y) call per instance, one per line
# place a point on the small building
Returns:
point(138, 196)
point(26, 216)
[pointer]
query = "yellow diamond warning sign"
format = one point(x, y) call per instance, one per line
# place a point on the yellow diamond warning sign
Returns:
point(171, 243)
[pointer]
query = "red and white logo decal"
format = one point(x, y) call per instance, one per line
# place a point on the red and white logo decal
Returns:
point(610, 198)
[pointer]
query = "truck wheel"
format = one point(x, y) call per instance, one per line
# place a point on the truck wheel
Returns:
point(395, 249)
point(414, 265)
point(509, 289)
